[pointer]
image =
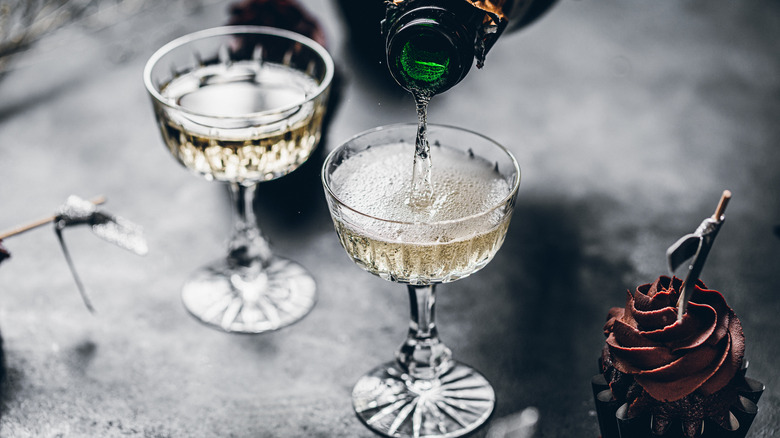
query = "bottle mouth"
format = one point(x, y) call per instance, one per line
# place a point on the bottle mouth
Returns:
point(429, 54)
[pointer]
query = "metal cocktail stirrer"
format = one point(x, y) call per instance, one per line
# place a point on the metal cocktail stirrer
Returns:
point(696, 245)
point(77, 211)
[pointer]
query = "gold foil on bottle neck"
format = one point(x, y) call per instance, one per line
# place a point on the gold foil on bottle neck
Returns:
point(496, 10)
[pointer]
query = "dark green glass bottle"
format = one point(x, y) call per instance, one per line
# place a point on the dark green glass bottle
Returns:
point(432, 44)
point(429, 48)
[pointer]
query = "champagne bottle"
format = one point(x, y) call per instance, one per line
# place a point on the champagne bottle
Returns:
point(432, 44)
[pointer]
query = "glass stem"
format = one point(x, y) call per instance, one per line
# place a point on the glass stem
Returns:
point(247, 245)
point(423, 356)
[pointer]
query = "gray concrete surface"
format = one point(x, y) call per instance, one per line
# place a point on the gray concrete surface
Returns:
point(628, 120)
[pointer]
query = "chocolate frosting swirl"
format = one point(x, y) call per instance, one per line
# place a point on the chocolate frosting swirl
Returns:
point(671, 359)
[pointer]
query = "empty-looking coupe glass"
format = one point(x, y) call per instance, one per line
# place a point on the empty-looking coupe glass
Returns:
point(243, 104)
point(367, 181)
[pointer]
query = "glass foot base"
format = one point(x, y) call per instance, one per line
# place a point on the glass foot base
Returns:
point(247, 300)
point(393, 405)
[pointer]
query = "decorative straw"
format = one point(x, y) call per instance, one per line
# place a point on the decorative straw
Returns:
point(707, 232)
point(41, 222)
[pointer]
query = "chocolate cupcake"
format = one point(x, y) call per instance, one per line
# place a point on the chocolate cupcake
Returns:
point(661, 376)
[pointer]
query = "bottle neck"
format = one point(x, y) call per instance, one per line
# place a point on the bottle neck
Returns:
point(430, 48)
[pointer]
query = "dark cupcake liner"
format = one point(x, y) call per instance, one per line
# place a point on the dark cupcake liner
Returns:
point(598, 383)
point(614, 421)
point(751, 389)
point(606, 408)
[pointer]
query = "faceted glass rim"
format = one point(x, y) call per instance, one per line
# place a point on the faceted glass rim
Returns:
point(325, 176)
point(238, 30)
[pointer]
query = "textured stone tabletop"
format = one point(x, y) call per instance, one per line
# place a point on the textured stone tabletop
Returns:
point(628, 119)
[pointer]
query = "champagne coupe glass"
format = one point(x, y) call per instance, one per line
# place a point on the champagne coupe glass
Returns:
point(242, 105)
point(424, 392)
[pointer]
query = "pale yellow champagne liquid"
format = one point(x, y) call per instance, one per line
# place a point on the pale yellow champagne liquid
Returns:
point(214, 138)
point(455, 235)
